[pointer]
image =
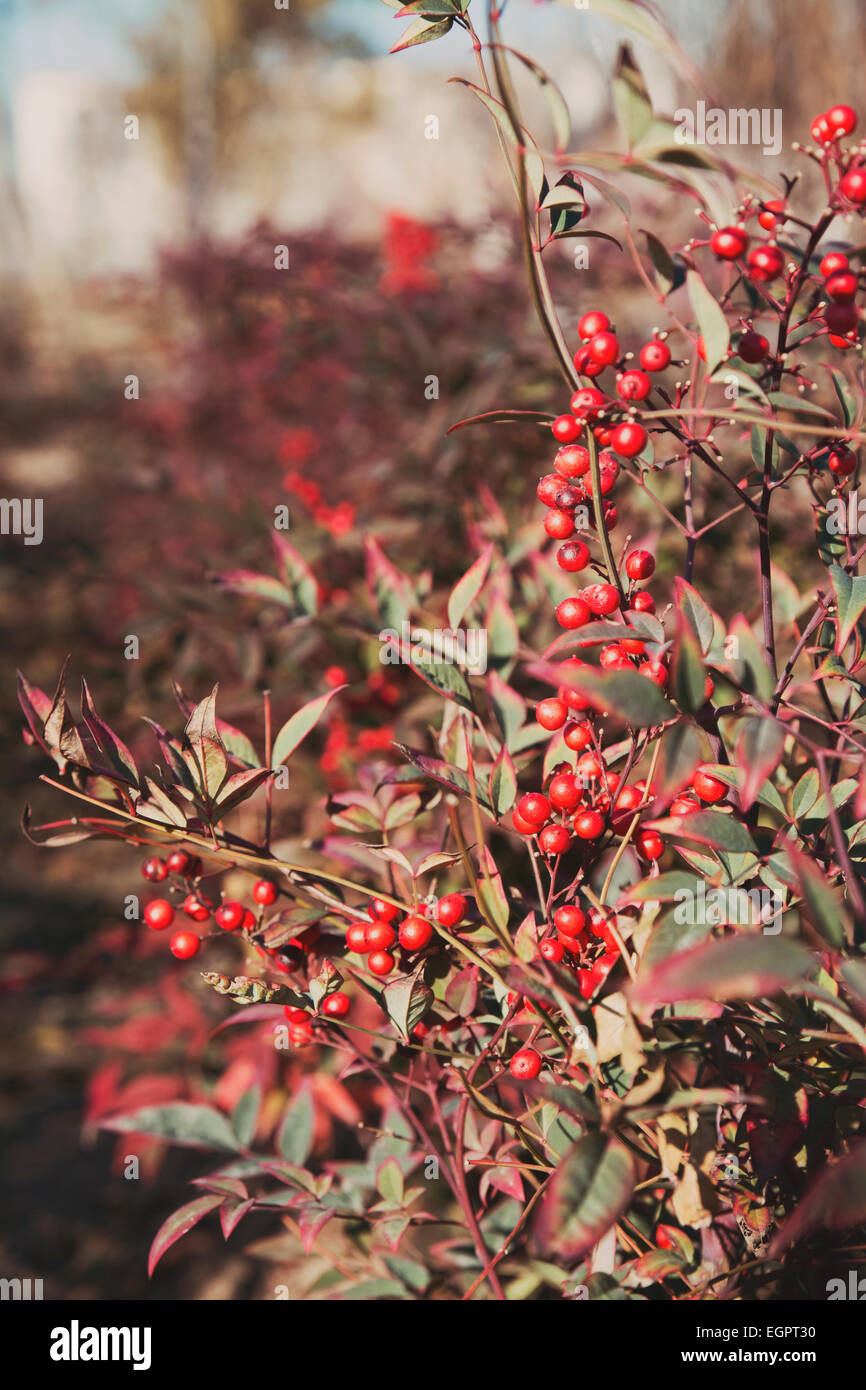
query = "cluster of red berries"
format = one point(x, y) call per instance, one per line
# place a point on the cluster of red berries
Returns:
point(376, 937)
point(600, 349)
point(300, 1022)
point(159, 914)
point(581, 804)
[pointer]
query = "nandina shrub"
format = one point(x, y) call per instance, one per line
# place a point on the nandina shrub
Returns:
point(587, 966)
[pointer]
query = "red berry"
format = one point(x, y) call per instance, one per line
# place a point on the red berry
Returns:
point(572, 557)
point(382, 909)
point(841, 119)
point(249, 920)
point(356, 938)
point(452, 908)
point(655, 356)
point(633, 385)
point(566, 429)
point(525, 1064)
point(559, 525)
point(614, 658)
point(629, 438)
point(229, 916)
point(552, 951)
point(603, 599)
point(683, 806)
point(833, 262)
point(588, 825)
point(551, 714)
point(753, 347)
point(650, 844)
point(534, 807)
point(572, 462)
point(264, 892)
point(772, 214)
point(380, 962)
point(853, 185)
point(547, 489)
point(590, 766)
point(568, 497)
point(640, 564)
point(591, 323)
point(655, 671)
point(820, 130)
point(708, 787)
point(159, 914)
point(840, 318)
point(569, 920)
point(765, 263)
point(522, 825)
point(415, 933)
point(294, 1015)
point(842, 285)
point(729, 242)
point(841, 461)
point(604, 348)
point(334, 676)
point(554, 839)
point(565, 792)
point(301, 1034)
point(643, 602)
point(572, 613)
point(154, 869)
point(179, 862)
point(199, 909)
point(577, 736)
point(184, 945)
point(586, 364)
point(573, 698)
point(337, 1004)
point(586, 401)
point(379, 936)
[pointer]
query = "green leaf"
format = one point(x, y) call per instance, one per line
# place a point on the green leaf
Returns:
point(824, 908)
point(446, 678)
point(252, 585)
point(449, 776)
point(844, 396)
point(503, 782)
point(295, 729)
point(750, 666)
point(682, 751)
point(850, 603)
point(509, 708)
point(391, 591)
point(748, 966)
point(406, 1000)
point(295, 1136)
point(491, 893)
point(663, 265)
point(700, 617)
point(785, 402)
point(712, 324)
point(553, 96)
point(181, 1123)
point(590, 1189)
point(178, 1224)
point(713, 828)
point(298, 578)
point(635, 698)
point(688, 676)
point(631, 98)
point(389, 1181)
point(420, 31)
point(467, 589)
point(760, 740)
point(245, 1114)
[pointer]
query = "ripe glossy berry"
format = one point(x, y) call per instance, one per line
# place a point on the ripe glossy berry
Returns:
point(522, 825)
point(572, 697)
point(199, 909)
point(547, 489)
point(159, 914)
point(591, 323)
point(569, 920)
point(590, 765)
point(643, 602)
point(564, 791)
point(841, 119)
point(842, 285)
point(588, 825)
point(633, 645)
point(356, 938)
point(729, 242)
point(683, 806)
point(833, 262)
point(566, 429)
point(765, 263)
point(586, 364)
point(249, 920)
point(853, 185)
point(655, 671)
point(640, 564)
point(554, 839)
point(383, 910)
point(772, 213)
point(559, 525)
point(264, 892)
point(650, 844)
point(179, 862)
point(294, 1015)
point(568, 497)
point(452, 908)
point(841, 461)
point(655, 356)
point(614, 658)
point(572, 557)
point(379, 936)
point(841, 318)
point(604, 348)
point(380, 962)
point(534, 808)
point(155, 869)
point(415, 933)
point(587, 401)
point(634, 385)
point(753, 347)
point(572, 461)
point(577, 736)
point(552, 950)
point(603, 599)
point(629, 438)
point(337, 1005)
point(551, 714)
point(708, 787)
point(572, 613)
point(820, 130)
point(301, 1034)
point(525, 1064)
point(184, 945)
point(230, 916)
